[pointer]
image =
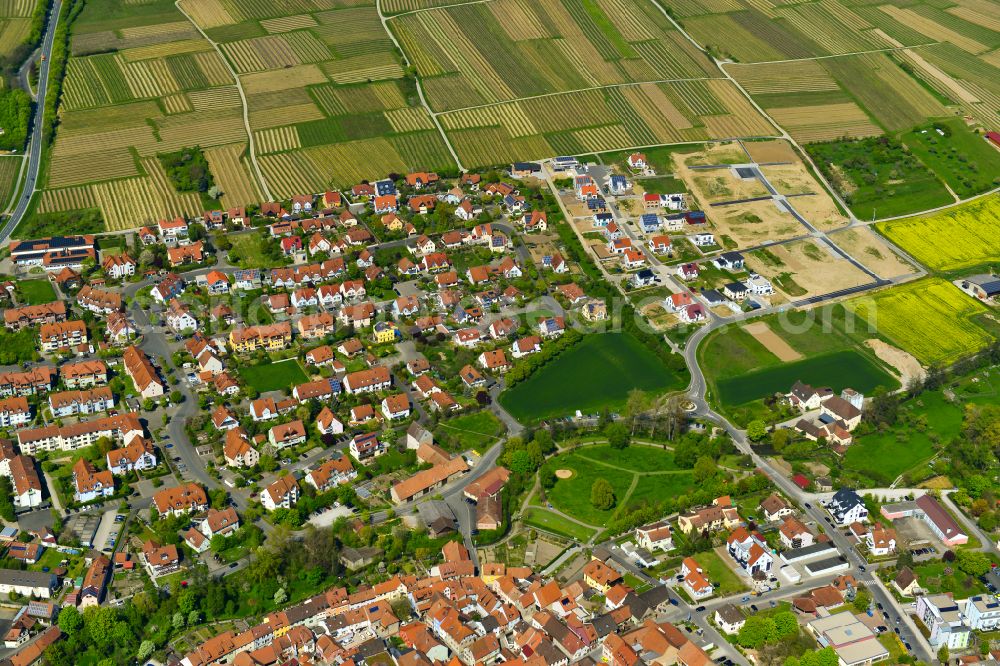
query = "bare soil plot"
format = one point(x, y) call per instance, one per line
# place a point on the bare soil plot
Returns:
point(818, 207)
point(716, 153)
point(764, 152)
point(772, 341)
point(811, 265)
point(905, 363)
point(754, 223)
point(722, 185)
point(658, 317)
point(867, 247)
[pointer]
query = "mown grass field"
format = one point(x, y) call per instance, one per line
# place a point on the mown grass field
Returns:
point(273, 376)
point(595, 374)
point(929, 318)
point(478, 431)
point(956, 239)
point(35, 292)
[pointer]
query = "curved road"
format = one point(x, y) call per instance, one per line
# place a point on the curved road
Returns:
point(34, 149)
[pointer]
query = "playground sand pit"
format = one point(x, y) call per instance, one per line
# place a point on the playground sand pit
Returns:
point(564, 473)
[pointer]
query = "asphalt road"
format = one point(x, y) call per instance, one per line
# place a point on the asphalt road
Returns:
point(35, 141)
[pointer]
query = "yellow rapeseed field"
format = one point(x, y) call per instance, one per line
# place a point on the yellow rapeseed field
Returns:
point(959, 238)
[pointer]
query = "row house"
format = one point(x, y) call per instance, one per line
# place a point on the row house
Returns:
point(27, 382)
point(83, 374)
point(74, 436)
point(85, 401)
point(99, 301)
point(270, 337)
point(34, 315)
point(62, 335)
point(368, 381)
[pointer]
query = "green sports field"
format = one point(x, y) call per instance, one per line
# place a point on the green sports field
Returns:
point(597, 373)
point(274, 376)
point(838, 370)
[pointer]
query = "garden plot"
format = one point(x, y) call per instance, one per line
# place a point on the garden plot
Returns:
point(867, 247)
point(811, 264)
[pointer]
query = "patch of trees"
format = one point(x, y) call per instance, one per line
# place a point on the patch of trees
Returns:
point(15, 118)
point(187, 170)
point(17, 347)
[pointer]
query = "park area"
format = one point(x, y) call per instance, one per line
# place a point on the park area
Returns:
point(597, 373)
point(638, 475)
point(931, 319)
point(956, 239)
point(273, 376)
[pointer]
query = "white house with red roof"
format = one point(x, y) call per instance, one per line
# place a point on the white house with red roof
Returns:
point(750, 551)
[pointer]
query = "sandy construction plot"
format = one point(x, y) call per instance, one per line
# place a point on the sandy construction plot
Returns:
point(818, 207)
point(809, 265)
point(868, 247)
point(754, 223)
point(906, 364)
point(721, 185)
point(763, 334)
point(770, 151)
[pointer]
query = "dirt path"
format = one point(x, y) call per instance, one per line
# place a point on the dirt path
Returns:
point(774, 343)
point(905, 364)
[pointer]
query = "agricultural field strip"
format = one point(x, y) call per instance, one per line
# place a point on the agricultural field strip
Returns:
point(627, 84)
point(889, 49)
point(243, 100)
point(420, 87)
point(389, 17)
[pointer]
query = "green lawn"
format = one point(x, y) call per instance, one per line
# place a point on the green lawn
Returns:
point(478, 431)
point(901, 449)
point(726, 580)
point(35, 292)
point(839, 370)
point(248, 250)
point(273, 376)
point(551, 522)
point(597, 373)
point(662, 185)
point(961, 158)
point(572, 495)
point(932, 578)
point(637, 457)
